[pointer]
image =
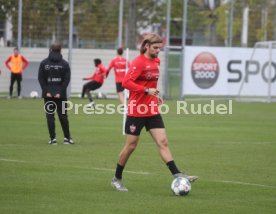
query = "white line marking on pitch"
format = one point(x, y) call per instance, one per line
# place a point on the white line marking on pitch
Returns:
point(9, 160)
point(94, 168)
point(245, 183)
point(112, 170)
point(147, 173)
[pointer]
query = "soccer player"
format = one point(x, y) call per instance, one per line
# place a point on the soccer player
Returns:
point(141, 81)
point(16, 63)
point(119, 65)
point(54, 76)
point(97, 80)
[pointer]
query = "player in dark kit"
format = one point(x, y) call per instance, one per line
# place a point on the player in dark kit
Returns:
point(141, 81)
point(54, 77)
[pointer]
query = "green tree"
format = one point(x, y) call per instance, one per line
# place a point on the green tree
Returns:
point(97, 20)
point(258, 27)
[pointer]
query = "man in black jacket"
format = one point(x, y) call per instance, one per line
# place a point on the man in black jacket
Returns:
point(54, 77)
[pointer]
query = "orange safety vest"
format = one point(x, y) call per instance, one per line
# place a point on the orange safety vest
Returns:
point(16, 64)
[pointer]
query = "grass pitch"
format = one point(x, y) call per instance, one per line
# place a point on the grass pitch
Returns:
point(234, 155)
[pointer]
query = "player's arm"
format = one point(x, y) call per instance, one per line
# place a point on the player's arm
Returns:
point(7, 63)
point(89, 78)
point(65, 81)
point(67, 77)
point(111, 65)
point(42, 79)
point(133, 73)
point(25, 62)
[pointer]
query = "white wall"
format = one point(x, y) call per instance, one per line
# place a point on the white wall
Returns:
point(82, 65)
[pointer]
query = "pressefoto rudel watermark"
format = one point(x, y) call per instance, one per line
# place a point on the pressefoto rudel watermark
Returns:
point(182, 108)
point(211, 108)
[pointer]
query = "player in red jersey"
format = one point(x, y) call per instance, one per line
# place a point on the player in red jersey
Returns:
point(141, 81)
point(96, 82)
point(119, 66)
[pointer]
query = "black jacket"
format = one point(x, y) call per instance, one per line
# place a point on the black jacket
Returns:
point(54, 75)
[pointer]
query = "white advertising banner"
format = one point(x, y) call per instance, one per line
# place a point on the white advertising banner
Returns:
point(221, 71)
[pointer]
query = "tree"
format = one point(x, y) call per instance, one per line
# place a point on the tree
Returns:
point(96, 21)
point(257, 28)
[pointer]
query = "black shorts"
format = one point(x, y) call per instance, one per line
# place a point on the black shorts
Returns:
point(92, 85)
point(134, 125)
point(119, 87)
point(16, 77)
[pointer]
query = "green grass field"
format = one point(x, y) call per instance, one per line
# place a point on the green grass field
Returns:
point(234, 155)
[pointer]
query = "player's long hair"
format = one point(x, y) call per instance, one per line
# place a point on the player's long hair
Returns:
point(150, 38)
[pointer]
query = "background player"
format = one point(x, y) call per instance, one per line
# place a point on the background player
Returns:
point(16, 63)
point(97, 80)
point(119, 66)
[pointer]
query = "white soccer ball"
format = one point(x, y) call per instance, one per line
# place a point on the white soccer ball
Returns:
point(33, 94)
point(101, 95)
point(181, 186)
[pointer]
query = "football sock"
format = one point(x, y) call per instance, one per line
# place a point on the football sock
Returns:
point(172, 167)
point(119, 171)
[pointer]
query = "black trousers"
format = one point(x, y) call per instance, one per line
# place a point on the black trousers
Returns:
point(90, 86)
point(52, 106)
point(18, 79)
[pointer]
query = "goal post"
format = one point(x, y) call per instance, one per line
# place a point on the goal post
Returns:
point(263, 61)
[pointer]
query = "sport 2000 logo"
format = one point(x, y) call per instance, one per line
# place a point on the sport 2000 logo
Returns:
point(205, 70)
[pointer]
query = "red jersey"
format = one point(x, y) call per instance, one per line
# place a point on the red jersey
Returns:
point(143, 73)
point(98, 75)
point(119, 65)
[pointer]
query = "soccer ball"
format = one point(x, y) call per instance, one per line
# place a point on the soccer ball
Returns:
point(33, 94)
point(101, 95)
point(181, 186)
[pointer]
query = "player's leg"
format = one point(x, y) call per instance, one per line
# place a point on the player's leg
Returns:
point(91, 86)
point(86, 90)
point(156, 127)
point(120, 92)
point(133, 129)
point(161, 140)
point(11, 84)
point(83, 90)
point(128, 149)
point(19, 79)
point(63, 118)
point(121, 97)
point(51, 123)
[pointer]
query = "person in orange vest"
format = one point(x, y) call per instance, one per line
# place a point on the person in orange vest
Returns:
point(16, 63)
